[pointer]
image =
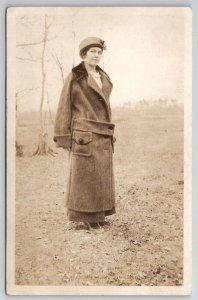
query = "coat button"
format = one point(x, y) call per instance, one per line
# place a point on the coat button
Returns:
point(81, 141)
point(111, 127)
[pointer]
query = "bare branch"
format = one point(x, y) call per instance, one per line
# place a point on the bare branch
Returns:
point(49, 25)
point(28, 59)
point(48, 103)
point(30, 44)
point(53, 37)
point(57, 60)
point(24, 92)
point(60, 65)
point(30, 89)
point(21, 18)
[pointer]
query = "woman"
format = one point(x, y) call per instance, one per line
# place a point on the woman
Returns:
point(83, 127)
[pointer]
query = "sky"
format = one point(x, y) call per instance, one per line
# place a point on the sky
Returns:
point(145, 56)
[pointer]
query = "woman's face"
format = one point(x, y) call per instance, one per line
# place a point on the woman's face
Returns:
point(93, 56)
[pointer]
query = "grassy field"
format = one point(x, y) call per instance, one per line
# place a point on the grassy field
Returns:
point(143, 245)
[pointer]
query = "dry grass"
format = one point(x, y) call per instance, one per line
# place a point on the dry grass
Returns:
point(143, 245)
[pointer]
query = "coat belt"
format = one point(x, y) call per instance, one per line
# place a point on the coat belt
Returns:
point(105, 128)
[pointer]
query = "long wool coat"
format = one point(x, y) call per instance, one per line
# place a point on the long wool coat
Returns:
point(83, 125)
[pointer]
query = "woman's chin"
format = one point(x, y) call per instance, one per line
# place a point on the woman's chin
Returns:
point(92, 64)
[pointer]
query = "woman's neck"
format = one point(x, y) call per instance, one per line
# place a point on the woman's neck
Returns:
point(90, 68)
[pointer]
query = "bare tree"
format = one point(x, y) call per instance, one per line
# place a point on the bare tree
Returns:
point(74, 41)
point(18, 146)
point(19, 95)
point(42, 148)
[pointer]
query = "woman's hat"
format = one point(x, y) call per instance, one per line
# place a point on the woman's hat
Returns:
point(91, 42)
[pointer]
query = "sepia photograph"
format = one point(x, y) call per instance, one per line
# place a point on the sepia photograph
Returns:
point(99, 150)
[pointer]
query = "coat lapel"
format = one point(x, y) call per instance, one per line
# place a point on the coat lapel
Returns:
point(93, 84)
point(81, 72)
point(106, 85)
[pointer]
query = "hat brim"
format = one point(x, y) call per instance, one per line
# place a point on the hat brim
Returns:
point(85, 49)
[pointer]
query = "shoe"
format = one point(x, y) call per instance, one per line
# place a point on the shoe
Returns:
point(92, 225)
point(105, 223)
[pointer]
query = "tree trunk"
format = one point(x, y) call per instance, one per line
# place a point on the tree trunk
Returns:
point(43, 148)
point(43, 79)
point(19, 147)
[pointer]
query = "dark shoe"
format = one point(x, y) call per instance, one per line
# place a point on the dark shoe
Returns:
point(105, 224)
point(92, 225)
point(95, 225)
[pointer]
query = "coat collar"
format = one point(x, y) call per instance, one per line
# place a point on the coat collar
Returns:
point(80, 72)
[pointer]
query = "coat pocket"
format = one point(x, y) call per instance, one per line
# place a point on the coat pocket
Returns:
point(81, 143)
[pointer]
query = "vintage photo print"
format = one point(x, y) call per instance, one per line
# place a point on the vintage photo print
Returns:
point(99, 150)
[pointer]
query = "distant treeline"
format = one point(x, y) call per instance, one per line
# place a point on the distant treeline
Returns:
point(25, 117)
point(162, 102)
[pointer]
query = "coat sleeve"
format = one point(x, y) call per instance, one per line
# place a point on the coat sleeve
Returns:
point(62, 127)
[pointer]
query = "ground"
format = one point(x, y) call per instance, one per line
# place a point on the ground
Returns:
point(143, 244)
